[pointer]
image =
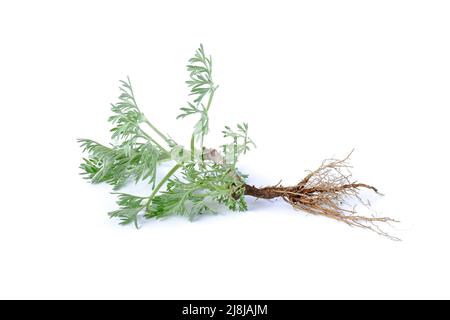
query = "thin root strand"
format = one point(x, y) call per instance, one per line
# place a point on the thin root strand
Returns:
point(323, 192)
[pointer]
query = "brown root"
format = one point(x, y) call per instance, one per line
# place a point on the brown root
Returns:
point(324, 192)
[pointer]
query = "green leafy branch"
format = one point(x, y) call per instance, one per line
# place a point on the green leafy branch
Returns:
point(241, 142)
point(135, 155)
point(202, 86)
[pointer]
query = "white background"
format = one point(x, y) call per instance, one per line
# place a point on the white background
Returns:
point(314, 79)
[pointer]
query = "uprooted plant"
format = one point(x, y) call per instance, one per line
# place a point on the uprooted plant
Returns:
point(201, 177)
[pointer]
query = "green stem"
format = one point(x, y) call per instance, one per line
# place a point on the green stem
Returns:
point(235, 151)
point(146, 135)
point(167, 140)
point(201, 147)
point(193, 147)
point(208, 105)
point(211, 96)
point(161, 183)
